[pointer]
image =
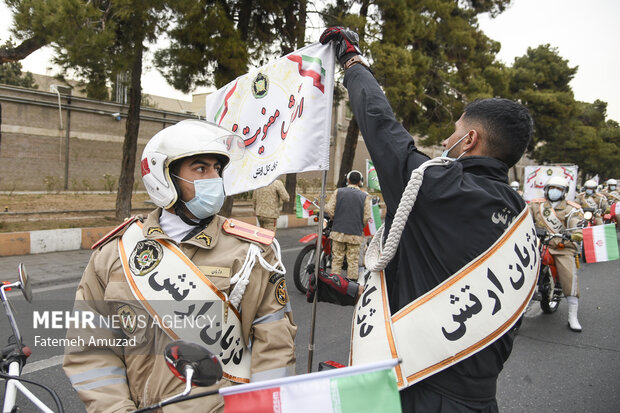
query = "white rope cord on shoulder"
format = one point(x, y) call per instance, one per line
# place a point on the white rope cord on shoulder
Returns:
point(242, 278)
point(378, 255)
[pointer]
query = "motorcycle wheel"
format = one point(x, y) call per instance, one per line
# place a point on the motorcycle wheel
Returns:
point(304, 266)
point(547, 302)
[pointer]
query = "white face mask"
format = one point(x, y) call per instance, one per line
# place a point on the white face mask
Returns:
point(612, 187)
point(208, 199)
point(589, 191)
point(445, 153)
point(554, 194)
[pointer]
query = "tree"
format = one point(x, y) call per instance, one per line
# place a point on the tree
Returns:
point(213, 42)
point(432, 59)
point(566, 131)
point(338, 15)
point(11, 72)
point(95, 40)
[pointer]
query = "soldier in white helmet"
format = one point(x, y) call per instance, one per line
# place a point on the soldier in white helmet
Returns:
point(515, 185)
point(181, 272)
point(556, 214)
point(594, 200)
point(612, 194)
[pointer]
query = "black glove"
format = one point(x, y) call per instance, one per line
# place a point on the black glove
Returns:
point(334, 289)
point(347, 42)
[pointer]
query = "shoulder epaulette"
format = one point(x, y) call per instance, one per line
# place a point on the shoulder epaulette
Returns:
point(538, 200)
point(248, 231)
point(573, 204)
point(114, 232)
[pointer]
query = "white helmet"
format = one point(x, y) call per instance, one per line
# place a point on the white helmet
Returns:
point(612, 182)
point(515, 185)
point(557, 181)
point(590, 184)
point(186, 138)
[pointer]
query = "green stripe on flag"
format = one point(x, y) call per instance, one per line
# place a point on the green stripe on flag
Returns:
point(369, 392)
point(376, 215)
point(611, 242)
point(311, 61)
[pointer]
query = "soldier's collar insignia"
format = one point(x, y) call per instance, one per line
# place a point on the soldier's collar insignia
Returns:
point(205, 237)
point(153, 230)
point(145, 256)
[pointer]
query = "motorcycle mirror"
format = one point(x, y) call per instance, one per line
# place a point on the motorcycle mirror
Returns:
point(24, 282)
point(181, 354)
point(587, 215)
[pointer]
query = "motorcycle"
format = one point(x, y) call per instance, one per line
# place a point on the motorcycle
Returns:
point(305, 261)
point(589, 215)
point(549, 286)
point(14, 355)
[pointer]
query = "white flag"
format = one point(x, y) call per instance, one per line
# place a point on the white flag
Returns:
point(283, 112)
point(536, 176)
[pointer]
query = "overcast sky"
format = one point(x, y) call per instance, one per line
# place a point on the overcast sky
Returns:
point(586, 33)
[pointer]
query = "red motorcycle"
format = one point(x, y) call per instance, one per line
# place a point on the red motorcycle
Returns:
point(305, 262)
point(610, 218)
point(548, 282)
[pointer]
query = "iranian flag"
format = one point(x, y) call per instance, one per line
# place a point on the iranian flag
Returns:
point(374, 223)
point(371, 176)
point(303, 207)
point(600, 243)
point(355, 389)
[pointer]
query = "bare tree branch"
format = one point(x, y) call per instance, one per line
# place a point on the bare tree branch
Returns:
point(14, 54)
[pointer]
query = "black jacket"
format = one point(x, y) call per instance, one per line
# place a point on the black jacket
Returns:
point(450, 224)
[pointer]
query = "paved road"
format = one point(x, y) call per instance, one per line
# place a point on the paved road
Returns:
point(551, 368)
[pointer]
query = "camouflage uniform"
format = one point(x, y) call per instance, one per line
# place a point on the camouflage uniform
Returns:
point(563, 252)
point(123, 378)
point(596, 201)
point(267, 202)
point(346, 244)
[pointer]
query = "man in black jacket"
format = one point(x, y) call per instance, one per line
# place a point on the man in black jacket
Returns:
point(452, 220)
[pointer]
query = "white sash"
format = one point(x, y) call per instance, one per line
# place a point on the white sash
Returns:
point(182, 300)
point(614, 195)
point(551, 220)
point(591, 202)
point(458, 318)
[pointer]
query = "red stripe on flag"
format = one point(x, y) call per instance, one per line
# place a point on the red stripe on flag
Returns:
point(257, 401)
point(316, 77)
point(228, 95)
point(306, 204)
point(588, 245)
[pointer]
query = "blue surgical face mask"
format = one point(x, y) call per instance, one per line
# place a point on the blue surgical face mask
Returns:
point(209, 197)
point(589, 191)
point(445, 153)
point(555, 194)
point(612, 187)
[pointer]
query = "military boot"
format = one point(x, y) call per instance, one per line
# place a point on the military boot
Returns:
point(573, 305)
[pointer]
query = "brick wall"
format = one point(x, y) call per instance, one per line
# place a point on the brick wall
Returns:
point(33, 147)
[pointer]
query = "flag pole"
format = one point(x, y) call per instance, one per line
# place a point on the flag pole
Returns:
point(317, 263)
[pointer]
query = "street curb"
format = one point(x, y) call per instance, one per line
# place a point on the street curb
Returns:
point(53, 240)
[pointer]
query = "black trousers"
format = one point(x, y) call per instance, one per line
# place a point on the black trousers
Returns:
point(420, 398)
